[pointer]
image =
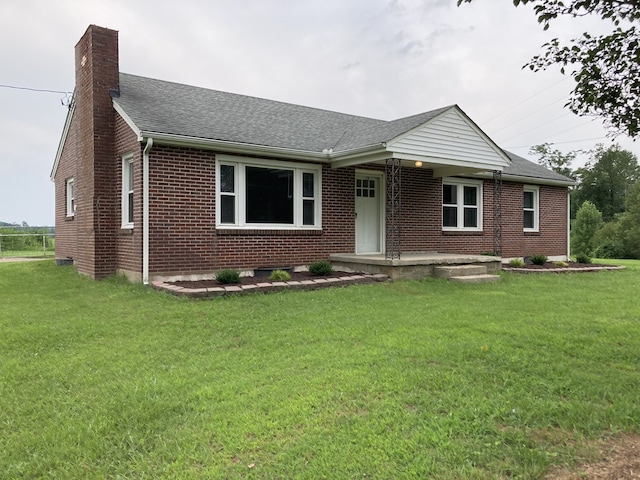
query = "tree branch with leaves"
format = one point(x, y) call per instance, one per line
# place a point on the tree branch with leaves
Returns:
point(606, 68)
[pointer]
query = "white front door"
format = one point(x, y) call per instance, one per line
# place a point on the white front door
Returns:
point(368, 213)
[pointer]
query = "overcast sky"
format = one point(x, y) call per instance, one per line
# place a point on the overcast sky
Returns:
point(379, 58)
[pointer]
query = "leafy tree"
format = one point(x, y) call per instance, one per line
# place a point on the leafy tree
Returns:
point(606, 68)
point(554, 159)
point(588, 222)
point(607, 179)
point(630, 224)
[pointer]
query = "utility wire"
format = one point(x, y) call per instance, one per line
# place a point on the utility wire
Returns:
point(525, 100)
point(35, 89)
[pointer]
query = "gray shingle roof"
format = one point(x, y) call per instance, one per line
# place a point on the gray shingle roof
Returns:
point(161, 107)
point(521, 167)
point(157, 106)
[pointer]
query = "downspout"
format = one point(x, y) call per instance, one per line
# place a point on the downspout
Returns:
point(568, 224)
point(145, 211)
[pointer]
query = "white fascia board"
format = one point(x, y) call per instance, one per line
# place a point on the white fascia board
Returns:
point(528, 180)
point(233, 147)
point(63, 138)
point(127, 119)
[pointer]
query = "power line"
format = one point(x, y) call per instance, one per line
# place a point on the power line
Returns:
point(35, 89)
point(525, 100)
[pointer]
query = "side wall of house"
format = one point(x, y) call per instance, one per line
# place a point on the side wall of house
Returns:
point(422, 220)
point(184, 240)
point(182, 225)
point(66, 226)
point(128, 240)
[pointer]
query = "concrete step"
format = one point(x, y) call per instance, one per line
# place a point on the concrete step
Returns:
point(450, 271)
point(484, 278)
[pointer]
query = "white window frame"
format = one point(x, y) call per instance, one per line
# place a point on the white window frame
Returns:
point(239, 194)
point(536, 207)
point(70, 197)
point(127, 188)
point(460, 183)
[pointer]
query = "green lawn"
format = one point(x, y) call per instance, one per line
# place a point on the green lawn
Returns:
point(423, 379)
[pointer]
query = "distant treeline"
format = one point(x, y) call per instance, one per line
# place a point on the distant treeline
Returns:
point(8, 228)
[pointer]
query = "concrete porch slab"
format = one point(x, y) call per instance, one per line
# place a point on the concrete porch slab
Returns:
point(410, 266)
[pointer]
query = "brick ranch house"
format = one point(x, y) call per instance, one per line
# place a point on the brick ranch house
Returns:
point(155, 180)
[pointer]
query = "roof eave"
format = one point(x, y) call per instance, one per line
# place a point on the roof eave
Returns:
point(63, 138)
point(531, 180)
point(232, 147)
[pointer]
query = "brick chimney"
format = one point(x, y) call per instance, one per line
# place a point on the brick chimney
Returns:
point(97, 73)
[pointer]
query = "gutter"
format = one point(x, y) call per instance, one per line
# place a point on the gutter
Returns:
point(233, 147)
point(145, 211)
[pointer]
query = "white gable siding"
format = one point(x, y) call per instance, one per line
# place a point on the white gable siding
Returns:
point(450, 137)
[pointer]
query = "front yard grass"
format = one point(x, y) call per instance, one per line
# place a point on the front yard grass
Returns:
point(421, 379)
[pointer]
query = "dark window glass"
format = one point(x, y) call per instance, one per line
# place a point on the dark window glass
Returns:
point(449, 217)
point(227, 209)
point(528, 199)
point(449, 195)
point(130, 211)
point(470, 196)
point(528, 219)
point(470, 217)
point(227, 178)
point(307, 185)
point(269, 196)
point(308, 214)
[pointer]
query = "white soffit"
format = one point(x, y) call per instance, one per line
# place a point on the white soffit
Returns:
point(451, 137)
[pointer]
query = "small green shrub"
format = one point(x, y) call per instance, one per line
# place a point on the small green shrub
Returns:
point(321, 267)
point(516, 262)
point(539, 259)
point(561, 264)
point(583, 258)
point(228, 276)
point(279, 276)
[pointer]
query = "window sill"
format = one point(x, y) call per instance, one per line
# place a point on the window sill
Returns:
point(126, 230)
point(532, 233)
point(463, 232)
point(69, 218)
point(270, 231)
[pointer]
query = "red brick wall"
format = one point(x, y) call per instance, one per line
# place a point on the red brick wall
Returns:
point(66, 230)
point(128, 241)
point(96, 73)
point(183, 237)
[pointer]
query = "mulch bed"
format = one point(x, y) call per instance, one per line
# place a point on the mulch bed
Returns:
point(553, 268)
point(295, 277)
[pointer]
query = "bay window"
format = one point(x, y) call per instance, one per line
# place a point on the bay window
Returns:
point(257, 193)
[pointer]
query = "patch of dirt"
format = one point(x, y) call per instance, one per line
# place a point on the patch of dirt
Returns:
point(295, 276)
point(619, 459)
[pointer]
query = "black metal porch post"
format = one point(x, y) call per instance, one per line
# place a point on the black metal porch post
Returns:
point(394, 208)
point(497, 213)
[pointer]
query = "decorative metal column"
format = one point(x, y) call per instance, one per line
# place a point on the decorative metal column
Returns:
point(497, 213)
point(394, 208)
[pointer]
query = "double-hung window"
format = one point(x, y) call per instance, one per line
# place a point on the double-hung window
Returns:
point(531, 209)
point(127, 191)
point(257, 193)
point(461, 204)
point(71, 198)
